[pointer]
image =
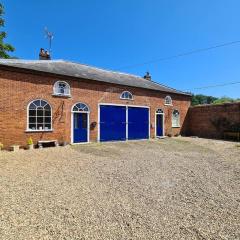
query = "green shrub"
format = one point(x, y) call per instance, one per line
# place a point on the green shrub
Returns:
point(30, 141)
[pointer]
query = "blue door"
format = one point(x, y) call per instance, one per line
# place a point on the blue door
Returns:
point(112, 123)
point(80, 127)
point(138, 123)
point(159, 125)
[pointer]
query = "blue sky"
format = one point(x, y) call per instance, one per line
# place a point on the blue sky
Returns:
point(113, 34)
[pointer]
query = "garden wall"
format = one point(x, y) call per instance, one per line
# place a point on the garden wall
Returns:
point(210, 121)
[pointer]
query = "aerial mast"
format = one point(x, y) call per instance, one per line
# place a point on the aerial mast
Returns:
point(49, 36)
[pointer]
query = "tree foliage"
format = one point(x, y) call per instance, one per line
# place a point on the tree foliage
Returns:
point(224, 100)
point(5, 48)
point(201, 99)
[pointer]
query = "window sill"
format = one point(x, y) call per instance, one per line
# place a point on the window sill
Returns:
point(176, 126)
point(61, 95)
point(38, 131)
point(168, 105)
point(126, 99)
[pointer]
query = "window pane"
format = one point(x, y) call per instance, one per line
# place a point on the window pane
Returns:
point(32, 126)
point(81, 106)
point(43, 103)
point(39, 119)
point(47, 107)
point(40, 126)
point(32, 119)
point(47, 113)
point(47, 126)
point(75, 109)
point(39, 112)
point(47, 120)
point(32, 112)
point(37, 103)
point(85, 109)
point(32, 106)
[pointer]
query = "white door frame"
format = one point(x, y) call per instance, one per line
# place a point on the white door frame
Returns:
point(72, 125)
point(124, 105)
point(163, 119)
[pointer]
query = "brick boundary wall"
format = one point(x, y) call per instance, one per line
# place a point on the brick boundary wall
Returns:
point(210, 121)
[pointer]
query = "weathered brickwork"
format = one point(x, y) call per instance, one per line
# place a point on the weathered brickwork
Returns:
point(20, 88)
point(210, 121)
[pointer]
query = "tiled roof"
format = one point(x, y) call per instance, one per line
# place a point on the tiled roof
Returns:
point(82, 71)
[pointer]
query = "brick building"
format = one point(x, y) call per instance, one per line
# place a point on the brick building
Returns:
point(76, 103)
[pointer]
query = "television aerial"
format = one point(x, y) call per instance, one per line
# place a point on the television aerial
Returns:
point(49, 36)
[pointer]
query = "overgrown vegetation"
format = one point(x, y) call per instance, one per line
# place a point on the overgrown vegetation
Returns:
point(5, 48)
point(200, 99)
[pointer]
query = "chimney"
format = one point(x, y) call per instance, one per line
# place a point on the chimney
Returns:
point(44, 55)
point(148, 76)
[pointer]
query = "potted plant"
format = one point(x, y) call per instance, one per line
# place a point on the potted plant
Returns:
point(30, 143)
point(1, 146)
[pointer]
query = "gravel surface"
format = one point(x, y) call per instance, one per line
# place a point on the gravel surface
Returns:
point(178, 188)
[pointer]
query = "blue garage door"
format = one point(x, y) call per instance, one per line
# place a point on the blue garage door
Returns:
point(112, 123)
point(138, 123)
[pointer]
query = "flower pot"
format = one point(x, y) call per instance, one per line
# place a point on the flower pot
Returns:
point(15, 148)
point(31, 147)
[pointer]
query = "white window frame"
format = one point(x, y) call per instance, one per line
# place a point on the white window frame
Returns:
point(80, 110)
point(166, 99)
point(177, 125)
point(39, 130)
point(56, 88)
point(125, 98)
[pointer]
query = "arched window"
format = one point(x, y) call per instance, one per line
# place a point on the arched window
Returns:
point(39, 116)
point(126, 95)
point(175, 118)
point(159, 111)
point(168, 100)
point(80, 107)
point(61, 88)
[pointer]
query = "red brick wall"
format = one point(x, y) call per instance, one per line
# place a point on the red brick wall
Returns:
point(210, 121)
point(19, 88)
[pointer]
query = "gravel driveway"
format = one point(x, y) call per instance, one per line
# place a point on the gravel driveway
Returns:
point(178, 188)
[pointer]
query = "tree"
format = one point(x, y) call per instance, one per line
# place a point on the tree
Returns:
point(202, 99)
point(4, 47)
point(224, 100)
